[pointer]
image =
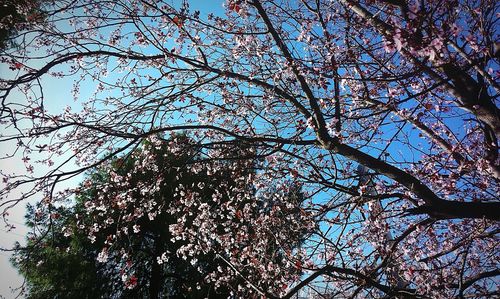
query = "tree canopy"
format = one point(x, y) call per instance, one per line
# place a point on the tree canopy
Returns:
point(120, 239)
point(18, 15)
point(386, 112)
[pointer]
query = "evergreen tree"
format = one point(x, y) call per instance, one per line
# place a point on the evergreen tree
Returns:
point(134, 254)
point(18, 14)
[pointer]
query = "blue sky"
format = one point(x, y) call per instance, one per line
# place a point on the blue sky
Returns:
point(58, 96)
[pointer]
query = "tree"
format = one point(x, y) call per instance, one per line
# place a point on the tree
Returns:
point(115, 241)
point(408, 89)
point(18, 14)
point(55, 266)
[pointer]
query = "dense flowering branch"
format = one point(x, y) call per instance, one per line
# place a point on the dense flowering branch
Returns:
point(407, 89)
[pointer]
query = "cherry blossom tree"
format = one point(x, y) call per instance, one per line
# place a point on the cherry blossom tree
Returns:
point(406, 89)
point(132, 229)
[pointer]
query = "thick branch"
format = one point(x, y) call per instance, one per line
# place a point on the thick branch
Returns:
point(434, 205)
point(318, 116)
point(472, 97)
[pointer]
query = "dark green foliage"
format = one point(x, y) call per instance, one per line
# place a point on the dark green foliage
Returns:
point(55, 266)
point(58, 266)
point(18, 14)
